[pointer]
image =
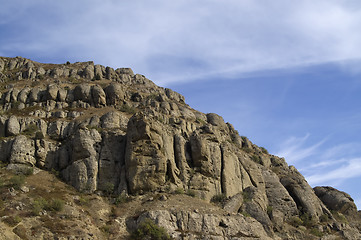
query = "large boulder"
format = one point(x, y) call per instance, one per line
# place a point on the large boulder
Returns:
point(23, 151)
point(336, 200)
point(13, 126)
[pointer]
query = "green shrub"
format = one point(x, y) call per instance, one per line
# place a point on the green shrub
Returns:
point(108, 188)
point(191, 193)
point(12, 220)
point(17, 181)
point(269, 210)
point(179, 191)
point(308, 220)
point(246, 214)
point(219, 198)
point(149, 230)
point(31, 130)
point(264, 150)
point(56, 205)
point(128, 109)
point(40, 204)
point(256, 158)
point(39, 135)
point(316, 232)
point(295, 221)
point(122, 198)
point(28, 171)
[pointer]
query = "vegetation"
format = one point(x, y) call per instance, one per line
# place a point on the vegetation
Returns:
point(17, 181)
point(122, 198)
point(191, 193)
point(295, 221)
point(219, 198)
point(264, 150)
point(149, 230)
point(269, 210)
point(108, 188)
point(179, 191)
point(54, 205)
point(31, 130)
point(12, 220)
point(127, 109)
point(257, 159)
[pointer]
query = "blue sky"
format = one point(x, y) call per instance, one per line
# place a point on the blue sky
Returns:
point(286, 75)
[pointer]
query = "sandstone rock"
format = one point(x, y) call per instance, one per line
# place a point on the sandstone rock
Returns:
point(23, 95)
point(98, 96)
point(88, 71)
point(13, 126)
point(114, 120)
point(82, 92)
point(23, 151)
point(114, 94)
point(206, 226)
point(303, 194)
point(336, 200)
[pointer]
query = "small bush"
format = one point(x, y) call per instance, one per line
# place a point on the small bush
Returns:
point(179, 191)
point(108, 188)
point(39, 135)
point(316, 232)
point(256, 158)
point(246, 214)
point(219, 198)
point(308, 220)
point(12, 220)
point(269, 210)
point(56, 205)
point(122, 198)
point(17, 181)
point(295, 221)
point(324, 218)
point(28, 171)
point(128, 109)
point(191, 193)
point(149, 230)
point(40, 204)
point(264, 150)
point(31, 130)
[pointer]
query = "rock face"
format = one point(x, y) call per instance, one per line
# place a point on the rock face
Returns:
point(110, 130)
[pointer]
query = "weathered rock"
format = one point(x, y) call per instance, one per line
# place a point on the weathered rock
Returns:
point(23, 151)
point(114, 94)
point(114, 120)
point(98, 96)
point(303, 194)
point(206, 226)
point(13, 126)
point(82, 92)
point(336, 200)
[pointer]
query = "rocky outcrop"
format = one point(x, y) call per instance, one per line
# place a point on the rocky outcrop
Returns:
point(336, 200)
point(112, 131)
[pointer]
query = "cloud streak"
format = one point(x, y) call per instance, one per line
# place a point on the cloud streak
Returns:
point(349, 170)
point(293, 149)
point(176, 41)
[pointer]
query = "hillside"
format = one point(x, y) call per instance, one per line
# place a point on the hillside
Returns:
point(89, 152)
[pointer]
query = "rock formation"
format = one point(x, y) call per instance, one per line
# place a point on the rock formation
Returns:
point(102, 128)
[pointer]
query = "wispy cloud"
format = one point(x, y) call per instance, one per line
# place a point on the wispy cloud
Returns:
point(294, 149)
point(349, 170)
point(165, 40)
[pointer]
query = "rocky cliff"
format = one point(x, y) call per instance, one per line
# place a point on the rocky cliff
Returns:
point(113, 131)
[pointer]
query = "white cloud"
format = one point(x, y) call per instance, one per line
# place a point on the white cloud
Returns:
point(179, 40)
point(293, 149)
point(349, 170)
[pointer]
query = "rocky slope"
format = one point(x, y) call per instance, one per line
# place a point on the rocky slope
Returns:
point(116, 132)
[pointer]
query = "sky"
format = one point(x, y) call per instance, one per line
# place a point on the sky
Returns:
point(287, 75)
